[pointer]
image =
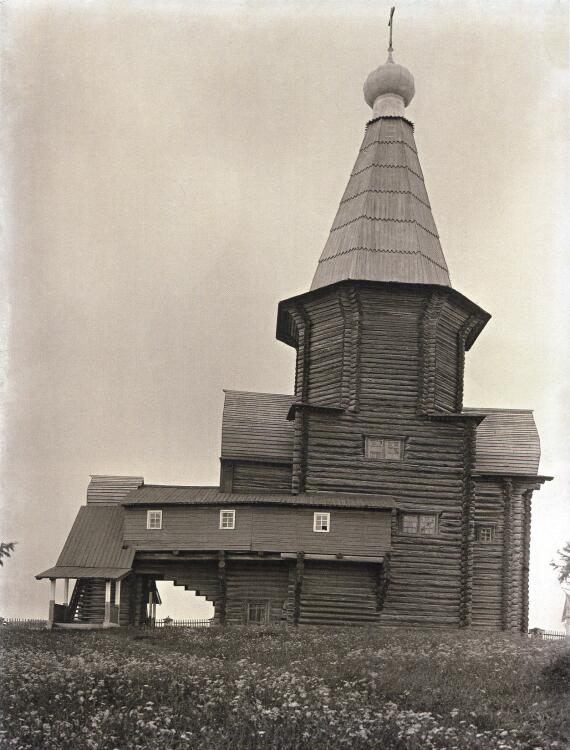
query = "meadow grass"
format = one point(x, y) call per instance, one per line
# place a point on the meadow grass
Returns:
point(288, 689)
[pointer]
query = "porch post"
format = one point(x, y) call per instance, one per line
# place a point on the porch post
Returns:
point(51, 613)
point(66, 592)
point(107, 620)
point(150, 604)
point(118, 600)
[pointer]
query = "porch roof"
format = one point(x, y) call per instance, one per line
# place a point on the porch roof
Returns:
point(94, 547)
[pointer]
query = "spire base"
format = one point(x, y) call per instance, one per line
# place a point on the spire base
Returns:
point(388, 105)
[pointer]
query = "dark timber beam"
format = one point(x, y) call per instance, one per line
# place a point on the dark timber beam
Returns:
point(222, 601)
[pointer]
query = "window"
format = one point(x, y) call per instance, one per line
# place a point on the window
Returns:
point(258, 612)
point(486, 533)
point(423, 524)
point(385, 449)
point(322, 522)
point(154, 519)
point(227, 519)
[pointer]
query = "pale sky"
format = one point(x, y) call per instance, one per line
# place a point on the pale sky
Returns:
point(172, 170)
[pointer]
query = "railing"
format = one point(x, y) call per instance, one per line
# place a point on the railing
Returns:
point(22, 623)
point(168, 623)
point(547, 635)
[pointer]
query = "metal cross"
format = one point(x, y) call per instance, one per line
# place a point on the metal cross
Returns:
point(390, 24)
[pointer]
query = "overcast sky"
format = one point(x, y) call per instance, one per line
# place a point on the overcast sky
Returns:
point(171, 171)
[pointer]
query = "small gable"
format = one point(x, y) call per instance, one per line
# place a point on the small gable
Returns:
point(507, 442)
point(255, 426)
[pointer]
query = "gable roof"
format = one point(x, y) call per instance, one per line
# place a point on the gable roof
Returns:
point(94, 547)
point(507, 442)
point(254, 425)
point(384, 228)
point(168, 495)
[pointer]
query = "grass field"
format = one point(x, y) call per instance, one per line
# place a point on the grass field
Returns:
point(313, 689)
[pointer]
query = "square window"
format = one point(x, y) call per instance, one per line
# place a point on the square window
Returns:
point(424, 524)
point(486, 534)
point(258, 612)
point(410, 523)
point(322, 522)
point(393, 450)
point(427, 525)
point(227, 519)
point(384, 449)
point(374, 448)
point(154, 519)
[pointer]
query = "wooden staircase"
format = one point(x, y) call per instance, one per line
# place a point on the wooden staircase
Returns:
point(87, 604)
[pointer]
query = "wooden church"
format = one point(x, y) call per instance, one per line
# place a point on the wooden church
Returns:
point(368, 496)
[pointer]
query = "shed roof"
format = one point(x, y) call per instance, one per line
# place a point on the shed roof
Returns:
point(384, 228)
point(254, 425)
point(167, 495)
point(94, 547)
point(507, 442)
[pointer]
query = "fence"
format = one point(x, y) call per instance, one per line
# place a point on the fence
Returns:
point(23, 624)
point(168, 623)
point(547, 635)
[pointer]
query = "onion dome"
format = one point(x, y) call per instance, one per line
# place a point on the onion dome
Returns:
point(389, 89)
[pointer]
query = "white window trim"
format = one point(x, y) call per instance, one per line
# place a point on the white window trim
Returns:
point(233, 517)
point(328, 517)
point(156, 514)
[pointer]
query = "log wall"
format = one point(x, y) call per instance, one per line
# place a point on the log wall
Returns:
point(249, 476)
point(402, 359)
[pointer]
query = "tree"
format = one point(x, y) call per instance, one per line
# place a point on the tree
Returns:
point(562, 565)
point(6, 548)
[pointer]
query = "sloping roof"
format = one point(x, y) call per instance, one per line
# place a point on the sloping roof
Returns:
point(384, 228)
point(95, 543)
point(507, 442)
point(255, 425)
point(168, 495)
point(109, 490)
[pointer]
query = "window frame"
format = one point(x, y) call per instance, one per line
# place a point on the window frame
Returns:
point(261, 604)
point(418, 516)
point(491, 527)
point(231, 514)
point(328, 521)
point(156, 514)
point(384, 440)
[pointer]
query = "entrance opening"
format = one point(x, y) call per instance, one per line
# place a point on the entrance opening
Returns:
point(179, 604)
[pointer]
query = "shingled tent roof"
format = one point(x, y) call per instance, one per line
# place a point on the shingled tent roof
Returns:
point(255, 426)
point(94, 547)
point(384, 229)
